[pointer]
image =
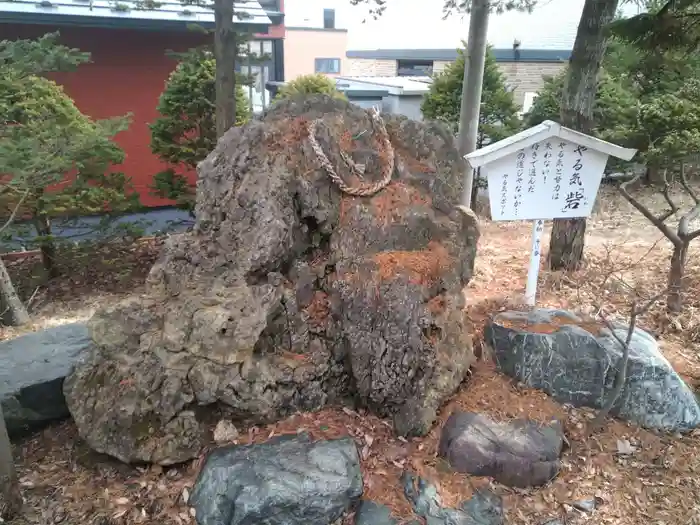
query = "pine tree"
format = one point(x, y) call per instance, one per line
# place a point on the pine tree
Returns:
point(498, 118)
point(55, 159)
point(186, 132)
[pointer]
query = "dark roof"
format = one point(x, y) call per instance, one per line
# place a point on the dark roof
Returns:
point(166, 14)
point(351, 89)
point(448, 55)
point(316, 29)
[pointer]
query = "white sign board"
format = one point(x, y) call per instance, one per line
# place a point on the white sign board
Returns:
point(551, 179)
point(545, 172)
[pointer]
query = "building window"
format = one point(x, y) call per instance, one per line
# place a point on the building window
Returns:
point(414, 68)
point(260, 48)
point(327, 65)
point(267, 47)
point(329, 18)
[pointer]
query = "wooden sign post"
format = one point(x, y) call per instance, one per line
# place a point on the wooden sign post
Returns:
point(545, 172)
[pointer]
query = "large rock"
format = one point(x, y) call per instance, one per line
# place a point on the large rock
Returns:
point(289, 480)
point(519, 453)
point(290, 294)
point(577, 362)
point(32, 370)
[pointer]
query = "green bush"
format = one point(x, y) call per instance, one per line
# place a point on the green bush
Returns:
point(309, 85)
point(499, 113)
point(57, 158)
point(185, 132)
point(614, 109)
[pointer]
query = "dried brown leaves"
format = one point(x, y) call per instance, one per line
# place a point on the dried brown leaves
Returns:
point(658, 482)
point(422, 266)
point(395, 198)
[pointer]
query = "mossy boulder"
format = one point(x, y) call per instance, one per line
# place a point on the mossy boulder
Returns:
point(289, 294)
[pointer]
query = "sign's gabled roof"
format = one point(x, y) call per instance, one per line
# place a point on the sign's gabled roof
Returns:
point(545, 130)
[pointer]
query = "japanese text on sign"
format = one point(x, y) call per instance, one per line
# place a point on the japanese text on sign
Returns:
point(551, 179)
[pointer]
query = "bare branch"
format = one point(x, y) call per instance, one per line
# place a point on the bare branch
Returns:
point(651, 302)
point(686, 186)
point(31, 298)
point(613, 270)
point(693, 235)
point(667, 196)
point(658, 222)
point(621, 376)
point(685, 221)
point(11, 219)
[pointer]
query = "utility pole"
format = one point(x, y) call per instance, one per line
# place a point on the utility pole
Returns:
point(471, 90)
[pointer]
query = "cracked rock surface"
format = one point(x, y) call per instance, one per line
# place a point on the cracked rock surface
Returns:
point(289, 295)
point(289, 480)
point(519, 453)
point(576, 362)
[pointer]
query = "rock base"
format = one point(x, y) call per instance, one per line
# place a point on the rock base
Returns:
point(577, 362)
point(289, 480)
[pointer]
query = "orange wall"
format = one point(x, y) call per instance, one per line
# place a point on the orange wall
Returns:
point(127, 74)
point(303, 46)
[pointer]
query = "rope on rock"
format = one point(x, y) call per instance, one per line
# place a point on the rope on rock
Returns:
point(363, 190)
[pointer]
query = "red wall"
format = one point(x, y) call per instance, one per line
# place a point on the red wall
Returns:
point(127, 75)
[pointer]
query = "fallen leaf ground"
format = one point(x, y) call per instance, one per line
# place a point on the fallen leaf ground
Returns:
point(658, 483)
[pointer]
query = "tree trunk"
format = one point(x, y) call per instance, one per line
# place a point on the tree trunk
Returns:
point(17, 312)
point(42, 224)
point(10, 497)
point(475, 185)
point(225, 51)
point(674, 299)
point(566, 243)
point(653, 175)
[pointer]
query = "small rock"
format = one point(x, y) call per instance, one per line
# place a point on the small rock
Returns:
point(484, 508)
point(520, 453)
point(624, 447)
point(585, 505)
point(289, 480)
point(371, 513)
point(225, 432)
point(59, 515)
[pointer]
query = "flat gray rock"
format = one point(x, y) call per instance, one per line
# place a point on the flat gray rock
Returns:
point(577, 367)
point(289, 480)
point(519, 453)
point(32, 370)
point(484, 507)
point(371, 513)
